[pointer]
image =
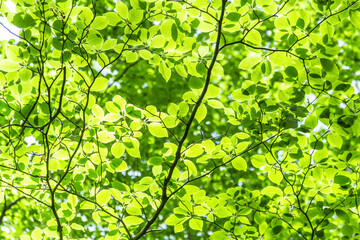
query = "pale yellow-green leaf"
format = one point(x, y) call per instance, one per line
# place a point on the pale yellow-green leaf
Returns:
point(271, 191)
point(54, 165)
point(157, 130)
point(109, 44)
point(179, 228)
point(280, 58)
point(215, 104)
point(355, 18)
point(61, 155)
point(132, 210)
point(145, 54)
point(106, 137)
point(77, 226)
point(135, 16)
point(258, 161)
point(335, 140)
point(122, 167)
point(262, 227)
point(239, 163)
point(134, 150)
point(1, 195)
point(203, 50)
point(25, 74)
point(25, 237)
point(165, 71)
point(172, 220)
point(131, 57)
point(113, 18)
point(122, 9)
point(196, 224)
point(201, 113)
point(97, 111)
point(133, 220)
point(222, 212)
point(73, 200)
point(120, 101)
point(99, 84)
point(157, 42)
point(103, 197)
point(254, 37)
point(170, 121)
point(244, 220)
point(180, 69)
point(100, 22)
point(249, 62)
point(36, 234)
point(194, 151)
point(117, 149)
point(205, 27)
point(281, 23)
point(275, 176)
point(7, 65)
point(112, 117)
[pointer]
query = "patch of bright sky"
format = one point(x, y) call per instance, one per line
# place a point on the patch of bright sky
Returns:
point(4, 34)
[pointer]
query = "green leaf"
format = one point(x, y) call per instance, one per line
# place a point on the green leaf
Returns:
point(165, 71)
point(77, 227)
point(219, 235)
point(196, 224)
point(215, 104)
point(174, 32)
point(157, 130)
point(36, 234)
point(135, 16)
point(233, 16)
point(122, 9)
point(7, 65)
point(275, 176)
point(201, 113)
point(100, 22)
point(239, 163)
point(117, 149)
point(249, 62)
point(271, 191)
point(203, 51)
point(155, 161)
point(327, 64)
point(280, 58)
point(23, 20)
point(277, 229)
point(99, 84)
point(25, 74)
point(172, 220)
point(113, 18)
point(342, 180)
point(106, 137)
point(262, 228)
point(133, 220)
point(157, 42)
point(222, 212)
point(355, 18)
point(291, 71)
point(103, 197)
point(258, 161)
point(254, 37)
point(335, 140)
point(109, 44)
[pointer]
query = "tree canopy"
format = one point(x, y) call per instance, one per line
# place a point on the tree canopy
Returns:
point(180, 119)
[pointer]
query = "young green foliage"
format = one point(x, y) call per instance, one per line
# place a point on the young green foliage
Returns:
point(144, 119)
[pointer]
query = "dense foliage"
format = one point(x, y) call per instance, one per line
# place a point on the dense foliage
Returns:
point(183, 119)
